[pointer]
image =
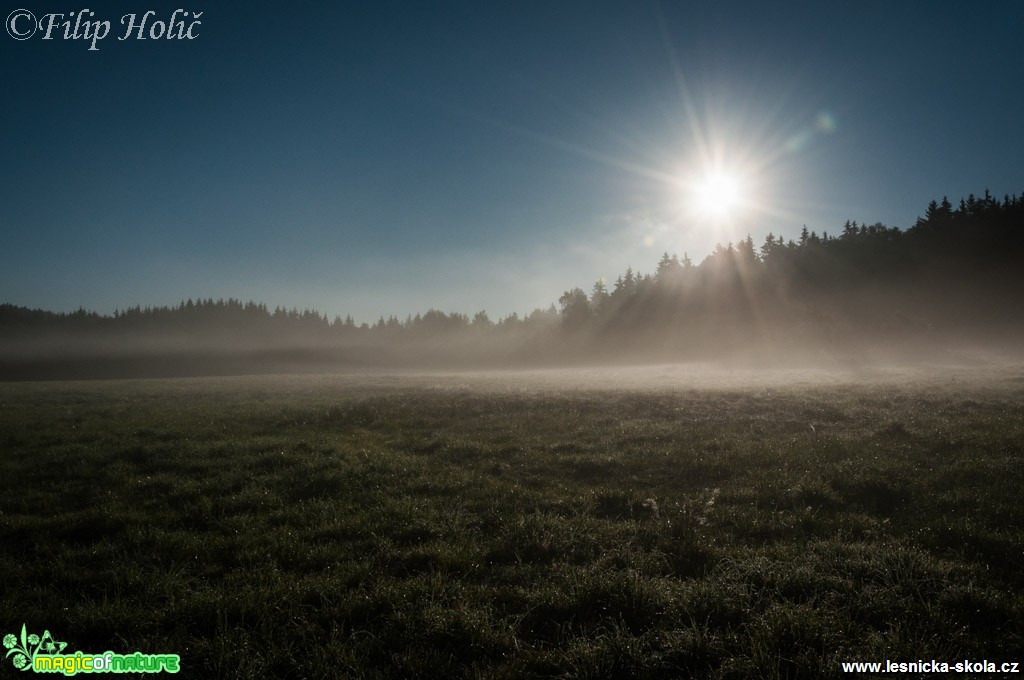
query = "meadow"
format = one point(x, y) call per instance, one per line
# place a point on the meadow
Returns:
point(661, 522)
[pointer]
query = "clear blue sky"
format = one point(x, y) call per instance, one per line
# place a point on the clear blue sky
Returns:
point(384, 158)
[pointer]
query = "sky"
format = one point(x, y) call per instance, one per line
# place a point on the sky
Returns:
point(386, 158)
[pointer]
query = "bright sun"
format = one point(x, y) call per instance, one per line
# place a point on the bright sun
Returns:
point(717, 195)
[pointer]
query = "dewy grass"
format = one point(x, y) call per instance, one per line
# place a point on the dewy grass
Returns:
point(439, 526)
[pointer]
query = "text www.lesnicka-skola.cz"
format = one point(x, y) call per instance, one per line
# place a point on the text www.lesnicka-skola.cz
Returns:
point(921, 666)
point(180, 25)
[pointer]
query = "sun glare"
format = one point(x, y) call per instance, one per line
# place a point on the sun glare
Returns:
point(718, 195)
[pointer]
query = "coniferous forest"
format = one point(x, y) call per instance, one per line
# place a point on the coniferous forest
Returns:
point(953, 282)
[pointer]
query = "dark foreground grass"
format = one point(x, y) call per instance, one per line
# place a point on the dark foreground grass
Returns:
point(423, 527)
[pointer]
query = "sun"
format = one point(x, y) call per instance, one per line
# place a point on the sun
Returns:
point(717, 195)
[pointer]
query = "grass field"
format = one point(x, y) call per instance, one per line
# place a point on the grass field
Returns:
point(653, 523)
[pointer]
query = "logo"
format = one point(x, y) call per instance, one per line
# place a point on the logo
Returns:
point(44, 654)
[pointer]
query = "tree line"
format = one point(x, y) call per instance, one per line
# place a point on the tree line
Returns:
point(955, 274)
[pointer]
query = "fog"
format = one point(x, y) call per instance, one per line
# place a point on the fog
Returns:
point(754, 336)
point(545, 354)
point(989, 371)
point(947, 291)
